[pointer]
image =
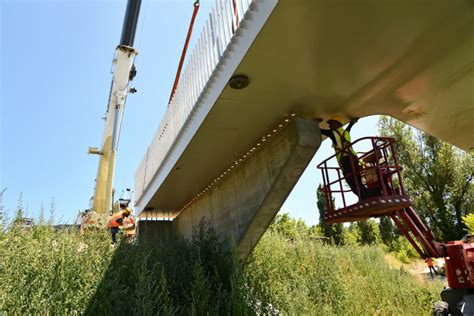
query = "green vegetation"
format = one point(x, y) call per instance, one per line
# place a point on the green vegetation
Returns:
point(469, 222)
point(304, 277)
point(438, 177)
point(43, 271)
point(334, 232)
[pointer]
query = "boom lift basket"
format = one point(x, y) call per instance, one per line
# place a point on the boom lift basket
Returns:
point(377, 166)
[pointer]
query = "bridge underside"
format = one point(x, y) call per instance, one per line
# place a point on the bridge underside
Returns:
point(412, 60)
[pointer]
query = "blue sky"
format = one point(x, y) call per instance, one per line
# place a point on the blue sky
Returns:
point(55, 79)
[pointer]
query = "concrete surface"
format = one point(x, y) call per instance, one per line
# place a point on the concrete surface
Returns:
point(242, 205)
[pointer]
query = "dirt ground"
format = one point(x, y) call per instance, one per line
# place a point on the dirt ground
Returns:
point(417, 267)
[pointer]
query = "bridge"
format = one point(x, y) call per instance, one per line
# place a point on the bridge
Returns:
point(242, 125)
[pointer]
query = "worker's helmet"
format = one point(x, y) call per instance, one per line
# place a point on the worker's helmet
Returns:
point(337, 118)
point(126, 212)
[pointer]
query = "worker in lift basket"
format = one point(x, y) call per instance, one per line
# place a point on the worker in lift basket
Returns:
point(116, 220)
point(340, 138)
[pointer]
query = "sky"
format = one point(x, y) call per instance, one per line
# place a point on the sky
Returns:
point(55, 78)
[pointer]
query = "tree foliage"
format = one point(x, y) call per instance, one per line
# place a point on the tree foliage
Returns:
point(289, 227)
point(387, 230)
point(369, 232)
point(469, 222)
point(335, 232)
point(438, 176)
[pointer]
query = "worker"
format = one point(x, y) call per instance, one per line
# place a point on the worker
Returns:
point(430, 264)
point(116, 220)
point(345, 154)
point(129, 227)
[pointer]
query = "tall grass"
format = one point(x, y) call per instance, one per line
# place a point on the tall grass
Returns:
point(305, 277)
point(48, 272)
point(43, 271)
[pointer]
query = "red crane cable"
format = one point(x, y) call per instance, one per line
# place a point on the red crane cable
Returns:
point(185, 48)
point(235, 16)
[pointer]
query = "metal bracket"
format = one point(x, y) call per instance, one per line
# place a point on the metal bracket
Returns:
point(94, 151)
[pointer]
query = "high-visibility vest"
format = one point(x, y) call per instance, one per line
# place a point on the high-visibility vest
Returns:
point(429, 261)
point(343, 138)
point(112, 222)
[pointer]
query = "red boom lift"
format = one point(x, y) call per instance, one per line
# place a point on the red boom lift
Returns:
point(379, 169)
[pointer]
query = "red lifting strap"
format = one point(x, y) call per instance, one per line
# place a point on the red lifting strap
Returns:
point(185, 48)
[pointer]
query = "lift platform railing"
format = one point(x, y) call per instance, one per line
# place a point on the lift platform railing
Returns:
point(375, 167)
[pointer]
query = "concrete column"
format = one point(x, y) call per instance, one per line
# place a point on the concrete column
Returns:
point(243, 204)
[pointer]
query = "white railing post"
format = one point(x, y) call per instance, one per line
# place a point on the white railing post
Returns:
point(192, 81)
point(207, 71)
point(209, 48)
point(216, 35)
point(221, 14)
point(213, 46)
point(202, 66)
point(239, 10)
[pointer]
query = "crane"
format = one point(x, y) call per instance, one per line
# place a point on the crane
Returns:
point(124, 72)
point(382, 173)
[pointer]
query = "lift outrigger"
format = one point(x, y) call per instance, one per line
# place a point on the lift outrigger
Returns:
point(378, 165)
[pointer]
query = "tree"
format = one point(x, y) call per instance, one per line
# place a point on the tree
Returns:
point(352, 235)
point(369, 232)
point(333, 231)
point(387, 230)
point(289, 227)
point(438, 176)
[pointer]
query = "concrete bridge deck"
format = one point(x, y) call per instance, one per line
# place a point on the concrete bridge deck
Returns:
point(412, 60)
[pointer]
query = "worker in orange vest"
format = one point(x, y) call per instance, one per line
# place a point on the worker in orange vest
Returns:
point(115, 221)
point(129, 227)
point(430, 264)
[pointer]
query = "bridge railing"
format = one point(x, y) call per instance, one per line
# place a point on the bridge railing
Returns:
point(220, 27)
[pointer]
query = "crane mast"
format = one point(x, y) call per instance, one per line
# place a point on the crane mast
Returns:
point(124, 72)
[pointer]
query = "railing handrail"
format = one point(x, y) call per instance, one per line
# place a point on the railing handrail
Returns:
point(358, 172)
point(347, 146)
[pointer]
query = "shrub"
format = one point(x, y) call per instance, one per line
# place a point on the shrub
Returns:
point(404, 251)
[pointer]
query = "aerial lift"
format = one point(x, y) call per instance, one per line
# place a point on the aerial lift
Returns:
point(378, 166)
point(123, 73)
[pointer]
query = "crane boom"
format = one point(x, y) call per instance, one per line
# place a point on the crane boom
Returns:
point(124, 71)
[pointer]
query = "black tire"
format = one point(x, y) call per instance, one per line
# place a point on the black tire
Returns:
point(440, 308)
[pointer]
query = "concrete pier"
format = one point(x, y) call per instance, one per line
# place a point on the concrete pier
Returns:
point(242, 205)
